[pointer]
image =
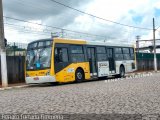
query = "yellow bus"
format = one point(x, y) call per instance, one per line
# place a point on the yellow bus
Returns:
point(67, 60)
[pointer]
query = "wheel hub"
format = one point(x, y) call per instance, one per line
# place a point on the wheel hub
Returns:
point(79, 75)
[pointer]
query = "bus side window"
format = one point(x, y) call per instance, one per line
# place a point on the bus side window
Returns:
point(61, 55)
point(110, 53)
point(132, 53)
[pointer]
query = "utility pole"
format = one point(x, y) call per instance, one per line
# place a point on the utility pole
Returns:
point(137, 45)
point(3, 50)
point(51, 35)
point(62, 32)
point(154, 47)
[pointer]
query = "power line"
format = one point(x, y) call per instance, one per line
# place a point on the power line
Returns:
point(27, 29)
point(97, 16)
point(24, 30)
point(88, 14)
point(12, 27)
point(28, 32)
point(45, 8)
point(53, 27)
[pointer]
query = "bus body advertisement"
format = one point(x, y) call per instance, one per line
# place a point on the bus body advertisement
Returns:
point(67, 60)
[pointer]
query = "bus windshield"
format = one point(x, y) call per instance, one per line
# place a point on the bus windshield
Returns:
point(39, 55)
point(39, 58)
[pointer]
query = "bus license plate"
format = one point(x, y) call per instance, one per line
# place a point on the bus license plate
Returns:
point(36, 78)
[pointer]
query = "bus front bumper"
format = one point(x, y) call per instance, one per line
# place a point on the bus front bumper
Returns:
point(40, 79)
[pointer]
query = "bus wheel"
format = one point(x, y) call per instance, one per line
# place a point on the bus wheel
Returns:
point(79, 75)
point(122, 72)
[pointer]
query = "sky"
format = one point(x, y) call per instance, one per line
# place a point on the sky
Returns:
point(139, 13)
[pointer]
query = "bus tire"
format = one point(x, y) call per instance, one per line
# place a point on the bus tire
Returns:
point(79, 75)
point(122, 71)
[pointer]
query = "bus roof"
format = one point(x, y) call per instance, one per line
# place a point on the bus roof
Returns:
point(89, 42)
point(47, 39)
point(81, 41)
point(108, 44)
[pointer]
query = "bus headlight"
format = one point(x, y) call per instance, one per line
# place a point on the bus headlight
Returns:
point(48, 72)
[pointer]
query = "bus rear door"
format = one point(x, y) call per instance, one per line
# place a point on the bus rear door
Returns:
point(92, 61)
point(111, 61)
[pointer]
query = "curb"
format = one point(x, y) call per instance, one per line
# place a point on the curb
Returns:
point(14, 87)
point(134, 75)
point(141, 73)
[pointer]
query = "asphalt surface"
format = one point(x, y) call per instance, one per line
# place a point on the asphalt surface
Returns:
point(128, 96)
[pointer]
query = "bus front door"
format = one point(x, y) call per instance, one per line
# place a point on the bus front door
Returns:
point(111, 60)
point(92, 61)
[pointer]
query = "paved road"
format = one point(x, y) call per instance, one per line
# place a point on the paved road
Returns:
point(127, 96)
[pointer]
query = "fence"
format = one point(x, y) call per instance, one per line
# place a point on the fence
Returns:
point(15, 69)
point(15, 62)
point(16, 49)
point(145, 61)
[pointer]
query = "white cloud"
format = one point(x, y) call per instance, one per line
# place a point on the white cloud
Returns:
point(121, 11)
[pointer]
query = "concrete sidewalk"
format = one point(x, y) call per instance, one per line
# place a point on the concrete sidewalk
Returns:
point(14, 85)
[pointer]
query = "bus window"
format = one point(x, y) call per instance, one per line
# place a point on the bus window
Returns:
point(101, 54)
point(110, 53)
point(118, 54)
point(132, 50)
point(33, 45)
point(77, 53)
point(41, 44)
point(77, 49)
point(61, 55)
point(125, 50)
point(118, 50)
point(101, 50)
point(132, 53)
point(126, 54)
point(44, 43)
